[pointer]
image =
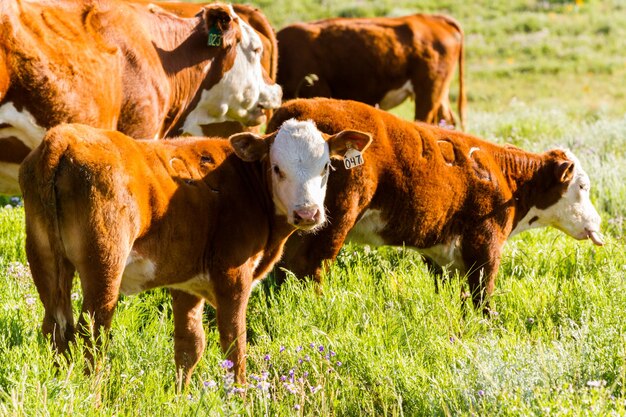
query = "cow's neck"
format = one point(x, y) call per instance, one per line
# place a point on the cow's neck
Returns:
point(525, 174)
point(188, 73)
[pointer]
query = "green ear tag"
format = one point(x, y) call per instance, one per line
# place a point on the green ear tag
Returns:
point(215, 37)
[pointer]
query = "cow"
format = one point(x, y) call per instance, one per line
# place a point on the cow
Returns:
point(454, 197)
point(204, 217)
point(379, 61)
point(269, 57)
point(119, 65)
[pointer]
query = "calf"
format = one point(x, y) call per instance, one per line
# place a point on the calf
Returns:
point(379, 61)
point(205, 218)
point(454, 197)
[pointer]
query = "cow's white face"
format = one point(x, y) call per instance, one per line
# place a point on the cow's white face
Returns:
point(251, 93)
point(573, 213)
point(299, 164)
point(243, 91)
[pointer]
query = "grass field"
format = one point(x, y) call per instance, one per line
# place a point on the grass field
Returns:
point(379, 341)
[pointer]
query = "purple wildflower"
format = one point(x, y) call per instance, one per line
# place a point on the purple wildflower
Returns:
point(339, 363)
point(291, 388)
point(332, 353)
point(281, 350)
point(267, 357)
point(210, 384)
point(315, 389)
point(227, 364)
point(299, 348)
point(296, 407)
point(306, 374)
point(321, 348)
point(283, 378)
point(481, 393)
point(307, 358)
point(312, 345)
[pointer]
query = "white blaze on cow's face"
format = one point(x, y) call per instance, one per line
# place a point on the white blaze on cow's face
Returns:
point(243, 92)
point(299, 162)
point(573, 213)
point(254, 93)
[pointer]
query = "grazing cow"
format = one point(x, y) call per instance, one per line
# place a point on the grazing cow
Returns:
point(454, 197)
point(269, 57)
point(124, 66)
point(204, 218)
point(379, 61)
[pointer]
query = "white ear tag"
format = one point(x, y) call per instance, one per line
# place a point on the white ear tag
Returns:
point(353, 158)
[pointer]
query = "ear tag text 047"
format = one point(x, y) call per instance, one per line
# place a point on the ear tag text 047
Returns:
point(353, 158)
point(215, 37)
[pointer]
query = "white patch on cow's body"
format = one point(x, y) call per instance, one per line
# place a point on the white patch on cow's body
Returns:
point(367, 230)
point(573, 213)
point(447, 255)
point(200, 286)
point(24, 128)
point(139, 271)
point(299, 158)
point(242, 93)
point(396, 97)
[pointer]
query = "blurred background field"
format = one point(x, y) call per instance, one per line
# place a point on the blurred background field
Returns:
point(379, 341)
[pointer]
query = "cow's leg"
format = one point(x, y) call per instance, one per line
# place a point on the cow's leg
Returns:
point(53, 275)
point(482, 258)
point(311, 254)
point(189, 341)
point(429, 88)
point(232, 291)
point(100, 276)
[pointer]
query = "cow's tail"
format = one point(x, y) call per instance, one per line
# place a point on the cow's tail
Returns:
point(52, 270)
point(462, 100)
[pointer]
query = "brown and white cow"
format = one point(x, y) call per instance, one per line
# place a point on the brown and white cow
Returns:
point(454, 197)
point(269, 56)
point(124, 66)
point(205, 218)
point(379, 61)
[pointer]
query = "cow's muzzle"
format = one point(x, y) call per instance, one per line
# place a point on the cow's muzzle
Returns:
point(307, 218)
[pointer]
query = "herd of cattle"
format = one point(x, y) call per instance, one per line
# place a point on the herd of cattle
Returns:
point(82, 80)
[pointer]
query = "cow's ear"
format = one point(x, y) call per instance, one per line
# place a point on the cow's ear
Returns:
point(348, 139)
point(564, 171)
point(250, 147)
point(222, 30)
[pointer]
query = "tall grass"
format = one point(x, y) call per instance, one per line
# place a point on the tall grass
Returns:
point(378, 340)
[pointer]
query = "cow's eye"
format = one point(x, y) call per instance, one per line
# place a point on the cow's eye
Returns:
point(257, 50)
point(278, 172)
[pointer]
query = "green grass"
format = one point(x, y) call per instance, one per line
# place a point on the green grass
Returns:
point(540, 75)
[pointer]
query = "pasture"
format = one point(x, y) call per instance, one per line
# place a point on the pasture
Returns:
point(379, 340)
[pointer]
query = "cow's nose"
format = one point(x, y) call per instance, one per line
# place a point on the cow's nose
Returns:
point(308, 214)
